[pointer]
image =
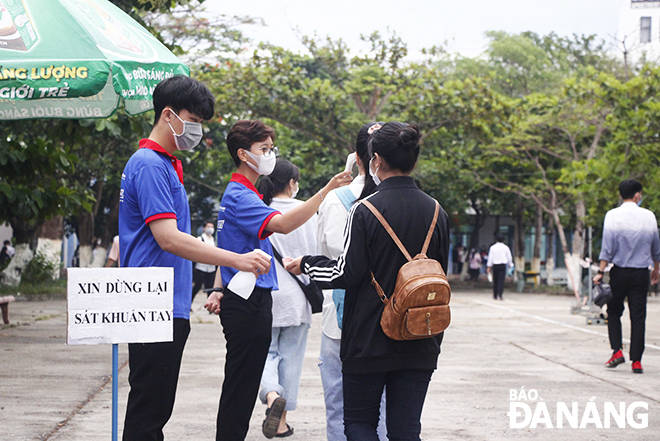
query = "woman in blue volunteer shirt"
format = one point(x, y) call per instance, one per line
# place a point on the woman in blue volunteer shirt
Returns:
point(244, 223)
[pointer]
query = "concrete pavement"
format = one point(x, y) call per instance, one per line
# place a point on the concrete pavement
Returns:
point(50, 391)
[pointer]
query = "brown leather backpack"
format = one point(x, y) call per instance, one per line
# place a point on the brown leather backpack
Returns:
point(419, 306)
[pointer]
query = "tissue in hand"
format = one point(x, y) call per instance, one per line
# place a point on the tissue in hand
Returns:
point(242, 284)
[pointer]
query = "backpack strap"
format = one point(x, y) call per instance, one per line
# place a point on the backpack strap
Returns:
point(346, 196)
point(430, 233)
point(388, 228)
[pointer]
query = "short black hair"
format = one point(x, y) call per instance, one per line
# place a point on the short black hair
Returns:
point(209, 222)
point(183, 93)
point(245, 133)
point(6, 242)
point(499, 237)
point(628, 188)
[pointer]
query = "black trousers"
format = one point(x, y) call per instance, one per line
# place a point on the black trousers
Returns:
point(153, 377)
point(404, 397)
point(499, 274)
point(247, 328)
point(632, 283)
point(202, 278)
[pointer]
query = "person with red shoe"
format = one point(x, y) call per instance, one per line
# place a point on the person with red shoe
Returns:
point(631, 243)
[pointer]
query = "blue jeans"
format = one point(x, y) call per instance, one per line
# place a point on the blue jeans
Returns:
point(284, 364)
point(331, 377)
point(406, 391)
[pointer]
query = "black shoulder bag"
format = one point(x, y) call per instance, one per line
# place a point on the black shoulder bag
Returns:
point(312, 291)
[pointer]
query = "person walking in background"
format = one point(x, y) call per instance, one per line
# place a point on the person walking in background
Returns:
point(474, 264)
point(372, 362)
point(332, 222)
point(154, 231)
point(292, 313)
point(245, 223)
point(204, 274)
point(499, 261)
point(631, 243)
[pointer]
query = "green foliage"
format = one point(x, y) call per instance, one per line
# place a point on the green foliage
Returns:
point(39, 270)
point(36, 168)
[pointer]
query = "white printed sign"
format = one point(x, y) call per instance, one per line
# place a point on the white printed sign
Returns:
point(119, 305)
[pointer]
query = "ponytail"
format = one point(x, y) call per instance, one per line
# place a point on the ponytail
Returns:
point(276, 182)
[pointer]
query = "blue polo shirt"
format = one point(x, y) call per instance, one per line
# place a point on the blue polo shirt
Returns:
point(242, 220)
point(152, 188)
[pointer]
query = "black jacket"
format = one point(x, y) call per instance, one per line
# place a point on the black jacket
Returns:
point(368, 247)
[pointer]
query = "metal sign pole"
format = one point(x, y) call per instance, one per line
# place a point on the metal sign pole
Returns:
point(115, 389)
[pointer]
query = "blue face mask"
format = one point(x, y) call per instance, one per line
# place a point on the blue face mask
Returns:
point(639, 203)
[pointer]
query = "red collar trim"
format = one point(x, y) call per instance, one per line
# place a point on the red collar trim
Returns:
point(153, 145)
point(241, 179)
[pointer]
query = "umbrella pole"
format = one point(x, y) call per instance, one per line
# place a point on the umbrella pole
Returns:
point(115, 389)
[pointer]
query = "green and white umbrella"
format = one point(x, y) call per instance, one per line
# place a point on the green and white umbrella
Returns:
point(77, 59)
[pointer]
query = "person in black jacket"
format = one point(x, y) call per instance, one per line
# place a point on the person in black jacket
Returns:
point(371, 360)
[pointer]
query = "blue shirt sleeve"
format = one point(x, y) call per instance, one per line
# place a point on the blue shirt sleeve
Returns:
point(252, 215)
point(154, 192)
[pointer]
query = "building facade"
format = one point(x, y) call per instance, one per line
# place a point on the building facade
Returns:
point(639, 30)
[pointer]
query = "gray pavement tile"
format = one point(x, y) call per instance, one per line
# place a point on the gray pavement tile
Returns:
point(50, 391)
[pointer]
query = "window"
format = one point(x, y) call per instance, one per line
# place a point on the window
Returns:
point(645, 30)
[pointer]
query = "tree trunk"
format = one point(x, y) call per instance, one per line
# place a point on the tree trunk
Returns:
point(85, 232)
point(112, 226)
point(519, 245)
point(25, 232)
point(573, 277)
point(50, 242)
point(474, 239)
point(14, 271)
point(550, 245)
point(538, 240)
point(577, 250)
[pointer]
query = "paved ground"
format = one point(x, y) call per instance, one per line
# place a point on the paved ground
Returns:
point(50, 391)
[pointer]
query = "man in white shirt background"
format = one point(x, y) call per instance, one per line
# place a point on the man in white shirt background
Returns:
point(499, 260)
point(631, 243)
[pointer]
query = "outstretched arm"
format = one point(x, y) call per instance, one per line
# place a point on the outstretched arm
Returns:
point(184, 245)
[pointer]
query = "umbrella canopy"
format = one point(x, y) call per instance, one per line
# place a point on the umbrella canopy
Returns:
point(77, 59)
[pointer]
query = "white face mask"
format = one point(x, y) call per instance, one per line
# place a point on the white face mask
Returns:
point(265, 163)
point(191, 135)
point(209, 231)
point(373, 174)
point(294, 192)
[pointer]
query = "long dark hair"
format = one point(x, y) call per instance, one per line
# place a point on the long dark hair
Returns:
point(278, 180)
point(362, 149)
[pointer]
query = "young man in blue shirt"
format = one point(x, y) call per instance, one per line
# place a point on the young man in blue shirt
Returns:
point(244, 224)
point(154, 231)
